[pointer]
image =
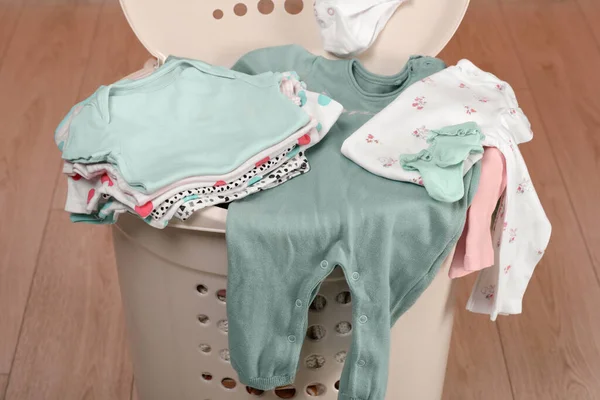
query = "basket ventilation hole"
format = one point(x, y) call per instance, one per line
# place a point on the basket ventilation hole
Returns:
point(318, 304)
point(223, 325)
point(314, 361)
point(253, 391)
point(205, 348)
point(201, 289)
point(340, 356)
point(222, 295)
point(343, 328)
point(285, 392)
point(207, 376)
point(203, 319)
point(316, 332)
point(228, 383)
point(336, 385)
point(343, 297)
point(316, 389)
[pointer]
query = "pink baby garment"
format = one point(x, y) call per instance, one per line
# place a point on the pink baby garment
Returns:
point(474, 250)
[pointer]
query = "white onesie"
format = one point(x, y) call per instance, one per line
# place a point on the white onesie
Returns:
point(459, 94)
point(349, 27)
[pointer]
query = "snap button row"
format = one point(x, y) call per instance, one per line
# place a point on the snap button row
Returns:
point(291, 338)
point(362, 319)
point(361, 363)
point(355, 276)
point(298, 303)
point(324, 264)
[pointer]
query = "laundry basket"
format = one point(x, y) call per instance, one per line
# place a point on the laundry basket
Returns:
point(173, 287)
point(173, 280)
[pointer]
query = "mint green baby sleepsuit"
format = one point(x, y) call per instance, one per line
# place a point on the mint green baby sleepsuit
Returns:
point(389, 237)
point(186, 119)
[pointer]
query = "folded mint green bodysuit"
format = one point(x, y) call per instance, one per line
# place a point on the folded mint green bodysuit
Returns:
point(187, 119)
point(389, 237)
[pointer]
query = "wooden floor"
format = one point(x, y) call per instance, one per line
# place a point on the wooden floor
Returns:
point(61, 324)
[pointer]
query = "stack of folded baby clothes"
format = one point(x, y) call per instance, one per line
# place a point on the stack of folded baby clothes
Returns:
point(186, 136)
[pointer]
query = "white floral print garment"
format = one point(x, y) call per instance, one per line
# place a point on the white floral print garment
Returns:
point(456, 95)
point(424, 106)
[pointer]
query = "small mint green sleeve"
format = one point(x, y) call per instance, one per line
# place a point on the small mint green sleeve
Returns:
point(277, 59)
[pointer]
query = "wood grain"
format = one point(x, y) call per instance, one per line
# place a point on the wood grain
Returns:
point(3, 384)
point(553, 348)
point(482, 39)
point(134, 395)
point(565, 323)
point(9, 16)
point(591, 13)
point(476, 368)
point(561, 62)
point(40, 77)
point(534, 372)
point(54, 3)
point(117, 53)
point(73, 345)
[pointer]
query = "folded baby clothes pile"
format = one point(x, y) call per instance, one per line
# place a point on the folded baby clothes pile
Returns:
point(185, 136)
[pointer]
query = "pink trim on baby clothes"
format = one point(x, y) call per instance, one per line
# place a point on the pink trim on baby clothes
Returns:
point(474, 250)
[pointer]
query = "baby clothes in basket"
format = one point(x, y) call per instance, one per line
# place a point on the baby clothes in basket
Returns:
point(465, 94)
point(282, 244)
point(186, 119)
point(99, 192)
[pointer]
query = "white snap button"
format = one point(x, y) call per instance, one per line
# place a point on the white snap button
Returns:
point(324, 264)
point(298, 303)
point(361, 363)
point(355, 276)
point(291, 338)
point(362, 319)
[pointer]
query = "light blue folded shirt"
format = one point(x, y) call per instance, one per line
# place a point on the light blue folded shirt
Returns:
point(186, 119)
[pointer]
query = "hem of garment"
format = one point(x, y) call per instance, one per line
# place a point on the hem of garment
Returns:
point(507, 307)
point(268, 383)
point(426, 279)
point(343, 396)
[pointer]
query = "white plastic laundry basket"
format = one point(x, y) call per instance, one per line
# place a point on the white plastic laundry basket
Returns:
point(173, 281)
point(173, 286)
